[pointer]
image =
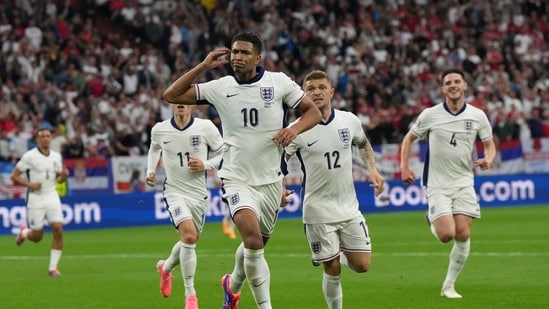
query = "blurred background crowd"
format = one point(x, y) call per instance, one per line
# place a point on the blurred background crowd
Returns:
point(94, 70)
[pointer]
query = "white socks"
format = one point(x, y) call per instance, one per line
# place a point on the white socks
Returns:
point(55, 256)
point(458, 257)
point(259, 277)
point(238, 275)
point(173, 259)
point(331, 288)
point(184, 254)
point(187, 258)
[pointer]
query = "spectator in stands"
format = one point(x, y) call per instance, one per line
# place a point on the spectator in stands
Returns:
point(535, 123)
point(99, 145)
point(5, 146)
point(504, 128)
point(75, 148)
point(43, 167)
point(126, 143)
point(19, 141)
point(58, 141)
point(452, 127)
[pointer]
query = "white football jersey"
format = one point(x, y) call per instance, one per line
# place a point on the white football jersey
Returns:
point(251, 114)
point(38, 167)
point(325, 153)
point(450, 138)
point(177, 145)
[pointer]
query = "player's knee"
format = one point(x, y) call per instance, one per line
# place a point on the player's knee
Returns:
point(253, 242)
point(445, 237)
point(37, 235)
point(189, 238)
point(462, 236)
point(362, 267)
point(332, 267)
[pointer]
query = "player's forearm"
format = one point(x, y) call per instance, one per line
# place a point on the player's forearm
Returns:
point(367, 155)
point(152, 160)
point(175, 92)
point(490, 150)
point(213, 162)
point(405, 150)
point(310, 118)
point(20, 181)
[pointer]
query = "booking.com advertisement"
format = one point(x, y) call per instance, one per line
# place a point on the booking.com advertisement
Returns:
point(141, 209)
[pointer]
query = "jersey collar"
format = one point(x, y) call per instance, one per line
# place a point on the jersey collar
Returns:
point(259, 74)
point(332, 115)
point(459, 112)
point(172, 121)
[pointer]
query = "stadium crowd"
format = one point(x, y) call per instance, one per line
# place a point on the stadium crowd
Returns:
point(94, 70)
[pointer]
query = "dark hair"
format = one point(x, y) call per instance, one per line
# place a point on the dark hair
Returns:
point(452, 71)
point(316, 74)
point(38, 132)
point(249, 37)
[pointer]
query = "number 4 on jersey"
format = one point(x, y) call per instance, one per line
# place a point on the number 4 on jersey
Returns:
point(453, 140)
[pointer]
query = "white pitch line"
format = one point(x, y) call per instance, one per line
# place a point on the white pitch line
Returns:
point(475, 241)
point(297, 255)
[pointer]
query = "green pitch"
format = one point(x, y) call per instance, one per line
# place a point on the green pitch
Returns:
point(115, 268)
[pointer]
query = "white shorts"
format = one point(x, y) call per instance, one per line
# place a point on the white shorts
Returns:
point(49, 209)
point(452, 201)
point(327, 240)
point(263, 200)
point(181, 207)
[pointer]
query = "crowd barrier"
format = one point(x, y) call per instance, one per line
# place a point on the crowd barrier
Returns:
point(147, 208)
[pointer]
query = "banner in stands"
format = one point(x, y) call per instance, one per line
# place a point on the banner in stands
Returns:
point(141, 209)
point(129, 174)
point(7, 189)
point(536, 155)
point(88, 176)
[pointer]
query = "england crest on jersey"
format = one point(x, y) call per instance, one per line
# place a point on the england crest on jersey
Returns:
point(468, 125)
point(344, 135)
point(195, 140)
point(267, 93)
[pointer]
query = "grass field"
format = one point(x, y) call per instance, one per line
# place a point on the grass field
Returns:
point(508, 267)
